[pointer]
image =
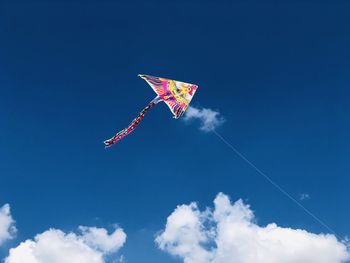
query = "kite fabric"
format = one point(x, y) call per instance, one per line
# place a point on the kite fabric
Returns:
point(176, 95)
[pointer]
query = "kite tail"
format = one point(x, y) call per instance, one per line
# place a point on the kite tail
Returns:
point(120, 135)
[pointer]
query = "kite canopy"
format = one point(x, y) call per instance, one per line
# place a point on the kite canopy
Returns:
point(176, 94)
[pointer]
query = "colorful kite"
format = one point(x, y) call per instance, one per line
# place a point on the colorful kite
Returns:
point(177, 95)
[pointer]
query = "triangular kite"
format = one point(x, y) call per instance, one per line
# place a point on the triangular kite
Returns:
point(176, 94)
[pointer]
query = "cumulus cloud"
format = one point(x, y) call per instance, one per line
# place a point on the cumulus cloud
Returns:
point(209, 119)
point(100, 239)
point(7, 224)
point(228, 234)
point(90, 245)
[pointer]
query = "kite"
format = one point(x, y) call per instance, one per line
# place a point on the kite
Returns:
point(177, 96)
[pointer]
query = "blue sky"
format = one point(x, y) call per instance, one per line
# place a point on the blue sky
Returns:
point(277, 72)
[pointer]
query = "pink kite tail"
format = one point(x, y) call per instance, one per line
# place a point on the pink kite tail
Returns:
point(120, 135)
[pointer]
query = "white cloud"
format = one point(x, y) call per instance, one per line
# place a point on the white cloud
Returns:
point(100, 239)
point(91, 245)
point(7, 224)
point(209, 119)
point(229, 234)
point(121, 259)
point(304, 196)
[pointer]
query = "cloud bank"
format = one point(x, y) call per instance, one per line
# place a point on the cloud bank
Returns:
point(229, 234)
point(7, 224)
point(208, 118)
point(90, 245)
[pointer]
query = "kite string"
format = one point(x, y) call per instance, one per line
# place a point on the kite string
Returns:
point(275, 184)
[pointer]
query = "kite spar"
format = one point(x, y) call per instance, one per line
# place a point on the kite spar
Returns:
point(177, 96)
